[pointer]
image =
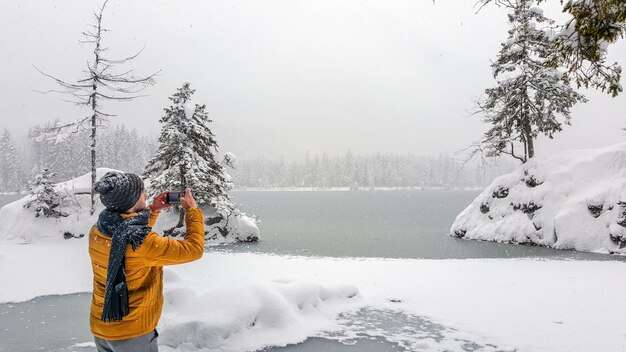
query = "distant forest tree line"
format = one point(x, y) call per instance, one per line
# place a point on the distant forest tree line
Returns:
point(68, 156)
point(363, 171)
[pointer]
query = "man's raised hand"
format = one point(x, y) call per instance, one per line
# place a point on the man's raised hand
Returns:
point(160, 202)
point(188, 200)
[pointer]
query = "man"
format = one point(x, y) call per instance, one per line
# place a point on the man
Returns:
point(127, 258)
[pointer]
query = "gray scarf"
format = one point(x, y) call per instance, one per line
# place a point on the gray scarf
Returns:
point(122, 231)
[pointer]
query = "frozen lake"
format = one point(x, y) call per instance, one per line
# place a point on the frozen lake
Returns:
point(395, 224)
point(60, 323)
point(389, 224)
point(8, 198)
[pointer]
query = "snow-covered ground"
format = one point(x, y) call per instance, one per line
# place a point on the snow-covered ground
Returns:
point(19, 225)
point(573, 200)
point(360, 188)
point(237, 302)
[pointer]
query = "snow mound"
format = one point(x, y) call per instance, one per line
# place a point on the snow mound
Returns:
point(18, 224)
point(230, 157)
point(573, 200)
point(250, 316)
point(245, 228)
point(219, 229)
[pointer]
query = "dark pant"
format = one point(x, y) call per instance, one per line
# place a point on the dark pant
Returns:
point(145, 343)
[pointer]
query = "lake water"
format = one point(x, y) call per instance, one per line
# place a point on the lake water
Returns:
point(391, 224)
point(395, 224)
point(8, 198)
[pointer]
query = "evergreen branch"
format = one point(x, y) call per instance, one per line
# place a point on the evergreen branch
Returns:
point(512, 153)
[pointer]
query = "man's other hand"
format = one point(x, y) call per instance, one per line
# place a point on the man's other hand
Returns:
point(159, 202)
point(188, 201)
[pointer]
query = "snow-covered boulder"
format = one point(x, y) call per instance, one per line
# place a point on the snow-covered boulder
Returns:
point(572, 200)
point(218, 228)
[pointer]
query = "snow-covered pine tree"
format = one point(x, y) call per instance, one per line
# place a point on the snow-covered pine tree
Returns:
point(186, 156)
point(10, 163)
point(583, 42)
point(44, 150)
point(584, 39)
point(46, 199)
point(124, 149)
point(531, 93)
point(132, 152)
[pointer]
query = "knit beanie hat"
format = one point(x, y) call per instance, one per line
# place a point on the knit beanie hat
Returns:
point(119, 191)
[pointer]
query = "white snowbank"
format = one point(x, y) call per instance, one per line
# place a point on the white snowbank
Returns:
point(352, 189)
point(44, 268)
point(248, 316)
point(19, 225)
point(573, 200)
point(436, 305)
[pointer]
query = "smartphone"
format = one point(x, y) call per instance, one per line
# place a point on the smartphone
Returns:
point(174, 197)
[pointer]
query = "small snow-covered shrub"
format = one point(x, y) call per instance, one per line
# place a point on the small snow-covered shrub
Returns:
point(46, 200)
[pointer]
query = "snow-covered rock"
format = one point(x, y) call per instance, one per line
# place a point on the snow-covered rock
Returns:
point(219, 228)
point(19, 225)
point(573, 200)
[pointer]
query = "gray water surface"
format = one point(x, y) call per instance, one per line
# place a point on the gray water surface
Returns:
point(50, 323)
point(8, 198)
point(60, 323)
point(390, 224)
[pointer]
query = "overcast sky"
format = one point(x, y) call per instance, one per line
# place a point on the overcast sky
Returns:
point(287, 76)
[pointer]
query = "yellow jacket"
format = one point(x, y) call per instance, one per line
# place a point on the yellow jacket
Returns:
point(144, 275)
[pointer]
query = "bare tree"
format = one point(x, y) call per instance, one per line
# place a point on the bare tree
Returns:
point(101, 83)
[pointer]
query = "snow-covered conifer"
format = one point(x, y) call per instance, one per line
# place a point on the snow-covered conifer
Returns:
point(10, 163)
point(46, 199)
point(582, 43)
point(532, 97)
point(584, 40)
point(186, 156)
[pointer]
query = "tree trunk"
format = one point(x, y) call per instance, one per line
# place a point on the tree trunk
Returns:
point(183, 182)
point(531, 145)
point(94, 109)
point(93, 152)
point(528, 137)
point(181, 211)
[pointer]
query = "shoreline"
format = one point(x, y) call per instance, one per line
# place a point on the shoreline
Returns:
point(346, 189)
